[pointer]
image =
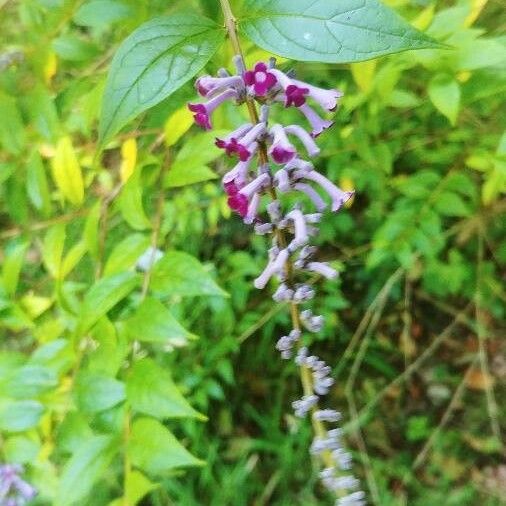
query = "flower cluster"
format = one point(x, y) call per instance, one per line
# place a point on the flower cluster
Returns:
point(13, 490)
point(255, 193)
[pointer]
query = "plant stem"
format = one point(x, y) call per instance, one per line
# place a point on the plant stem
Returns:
point(305, 372)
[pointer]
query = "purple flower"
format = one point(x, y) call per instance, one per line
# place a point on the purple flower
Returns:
point(203, 112)
point(275, 266)
point(295, 96)
point(338, 196)
point(281, 150)
point(318, 124)
point(323, 269)
point(236, 201)
point(242, 141)
point(207, 85)
point(309, 143)
point(301, 236)
point(260, 78)
point(327, 99)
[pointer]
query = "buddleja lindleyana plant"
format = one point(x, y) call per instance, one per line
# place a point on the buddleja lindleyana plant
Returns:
point(270, 166)
point(273, 160)
point(14, 491)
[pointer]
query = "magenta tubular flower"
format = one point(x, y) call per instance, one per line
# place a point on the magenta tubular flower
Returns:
point(337, 196)
point(238, 174)
point(318, 124)
point(281, 150)
point(306, 139)
point(327, 99)
point(207, 85)
point(251, 215)
point(261, 79)
point(203, 112)
point(242, 141)
point(257, 185)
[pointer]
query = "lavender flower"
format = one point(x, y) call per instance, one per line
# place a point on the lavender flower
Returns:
point(283, 169)
point(14, 491)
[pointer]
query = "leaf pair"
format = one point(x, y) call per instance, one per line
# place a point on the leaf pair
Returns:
point(164, 53)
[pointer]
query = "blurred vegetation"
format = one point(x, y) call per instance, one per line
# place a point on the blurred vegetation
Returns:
point(415, 325)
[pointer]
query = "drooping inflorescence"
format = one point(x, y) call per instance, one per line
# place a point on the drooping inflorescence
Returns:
point(14, 491)
point(254, 192)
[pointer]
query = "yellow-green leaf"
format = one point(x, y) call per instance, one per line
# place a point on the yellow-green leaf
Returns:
point(67, 172)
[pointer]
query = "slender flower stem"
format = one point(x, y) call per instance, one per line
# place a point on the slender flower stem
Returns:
point(305, 372)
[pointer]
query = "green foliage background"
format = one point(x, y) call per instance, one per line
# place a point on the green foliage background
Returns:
point(105, 390)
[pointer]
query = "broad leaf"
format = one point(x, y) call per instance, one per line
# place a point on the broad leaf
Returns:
point(18, 416)
point(125, 254)
point(444, 92)
point(98, 392)
point(151, 391)
point(153, 322)
point(103, 296)
point(84, 468)
point(334, 31)
point(178, 273)
point(153, 62)
point(67, 172)
point(153, 448)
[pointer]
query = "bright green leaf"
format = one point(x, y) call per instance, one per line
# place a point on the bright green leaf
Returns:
point(67, 173)
point(178, 273)
point(151, 391)
point(153, 322)
point(125, 253)
point(103, 296)
point(98, 392)
point(154, 449)
point(153, 62)
point(333, 31)
point(84, 468)
point(444, 92)
point(18, 416)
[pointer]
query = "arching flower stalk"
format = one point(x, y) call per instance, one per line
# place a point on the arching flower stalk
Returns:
point(270, 165)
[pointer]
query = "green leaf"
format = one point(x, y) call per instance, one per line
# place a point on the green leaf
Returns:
point(103, 296)
point(125, 253)
point(130, 203)
point(154, 449)
point(36, 184)
point(334, 31)
point(52, 249)
point(98, 392)
point(99, 13)
point(151, 391)
point(136, 487)
point(444, 92)
point(451, 204)
point(12, 133)
point(180, 176)
point(178, 273)
point(153, 322)
point(21, 449)
point(18, 416)
point(84, 468)
point(153, 62)
point(29, 381)
point(67, 172)
point(11, 266)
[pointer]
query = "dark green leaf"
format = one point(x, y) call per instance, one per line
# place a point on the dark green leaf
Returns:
point(334, 31)
point(153, 62)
